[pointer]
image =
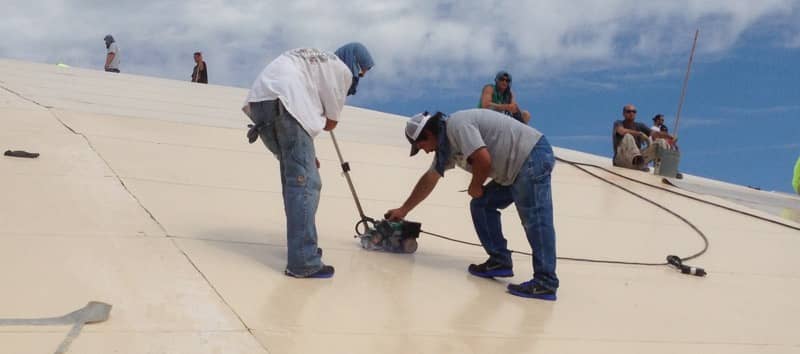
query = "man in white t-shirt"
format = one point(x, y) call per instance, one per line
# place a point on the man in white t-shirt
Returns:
point(658, 124)
point(112, 54)
point(296, 97)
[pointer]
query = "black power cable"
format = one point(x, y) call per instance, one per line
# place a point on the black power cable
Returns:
point(673, 260)
point(576, 164)
point(676, 261)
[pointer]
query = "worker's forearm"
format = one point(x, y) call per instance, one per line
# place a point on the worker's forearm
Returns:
point(495, 106)
point(421, 191)
point(109, 58)
point(502, 107)
point(480, 172)
point(633, 132)
point(662, 135)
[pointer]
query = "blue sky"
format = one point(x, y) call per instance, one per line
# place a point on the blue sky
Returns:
point(575, 63)
point(740, 121)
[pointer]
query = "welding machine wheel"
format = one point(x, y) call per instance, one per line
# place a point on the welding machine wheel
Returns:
point(409, 245)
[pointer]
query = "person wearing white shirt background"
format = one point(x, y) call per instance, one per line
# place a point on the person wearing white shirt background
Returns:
point(112, 54)
point(296, 97)
point(658, 124)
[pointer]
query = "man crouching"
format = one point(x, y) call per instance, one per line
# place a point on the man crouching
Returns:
point(519, 161)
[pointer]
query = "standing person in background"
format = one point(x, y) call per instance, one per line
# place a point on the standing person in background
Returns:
point(200, 72)
point(296, 97)
point(112, 54)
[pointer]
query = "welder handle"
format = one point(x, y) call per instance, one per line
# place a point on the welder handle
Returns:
point(346, 171)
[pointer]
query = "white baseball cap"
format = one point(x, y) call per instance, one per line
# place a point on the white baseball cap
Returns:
point(414, 129)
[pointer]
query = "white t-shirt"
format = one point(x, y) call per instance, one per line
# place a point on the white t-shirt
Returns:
point(312, 84)
point(114, 48)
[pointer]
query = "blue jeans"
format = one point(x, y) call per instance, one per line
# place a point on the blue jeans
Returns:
point(294, 148)
point(531, 194)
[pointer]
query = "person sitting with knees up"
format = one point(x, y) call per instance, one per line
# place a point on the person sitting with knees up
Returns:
point(500, 98)
point(629, 138)
point(659, 126)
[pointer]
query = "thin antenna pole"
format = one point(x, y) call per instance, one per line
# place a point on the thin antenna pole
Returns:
point(685, 82)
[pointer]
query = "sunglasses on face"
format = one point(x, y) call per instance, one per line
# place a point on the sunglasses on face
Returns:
point(505, 79)
point(630, 111)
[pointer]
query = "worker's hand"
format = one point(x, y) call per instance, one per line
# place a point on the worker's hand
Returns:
point(317, 162)
point(475, 191)
point(396, 214)
point(330, 124)
point(513, 107)
point(644, 136)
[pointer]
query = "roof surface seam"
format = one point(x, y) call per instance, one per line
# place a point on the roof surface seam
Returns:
point(221, 298)
point(161, 226)
point(116, 175)
point(23, 97)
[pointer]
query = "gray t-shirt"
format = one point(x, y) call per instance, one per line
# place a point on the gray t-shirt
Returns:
point(616, 138)
point(114, 48)
point(508, 141)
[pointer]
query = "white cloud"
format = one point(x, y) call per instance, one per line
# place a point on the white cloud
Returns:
point(690, 122)
point(760, 110)
point(794, 42)
point(414, 42)
point(744, 149)
point(580, 138)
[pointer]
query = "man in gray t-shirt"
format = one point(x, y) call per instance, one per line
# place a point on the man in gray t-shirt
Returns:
point(112, 54)
point(519, 161)
point(472, 129)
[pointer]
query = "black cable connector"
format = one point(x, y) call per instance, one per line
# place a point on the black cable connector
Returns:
point(685, 269)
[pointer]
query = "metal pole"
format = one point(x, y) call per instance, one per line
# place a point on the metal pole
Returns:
point(685, 82)
point(346, 170)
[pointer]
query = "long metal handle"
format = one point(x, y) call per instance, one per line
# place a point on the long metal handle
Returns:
point(685, 82)
point(346, 170)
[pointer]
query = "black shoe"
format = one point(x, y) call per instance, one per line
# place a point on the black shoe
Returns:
point(325, 272)
point(491, 269)
point(679, 175)
point(531, 290)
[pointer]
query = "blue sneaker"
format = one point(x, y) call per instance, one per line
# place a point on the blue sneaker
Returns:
point(491, 269)
point(325, 272)
point(532, 290)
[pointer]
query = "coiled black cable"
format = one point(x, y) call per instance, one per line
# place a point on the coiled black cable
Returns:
point(580, 166)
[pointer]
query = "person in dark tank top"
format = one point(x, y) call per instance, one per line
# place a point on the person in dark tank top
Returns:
point(500, 98)
point(200, 72)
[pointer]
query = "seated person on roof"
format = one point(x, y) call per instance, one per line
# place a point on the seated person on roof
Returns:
point(629, 138)
point(659, 126)
point(499, 97)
